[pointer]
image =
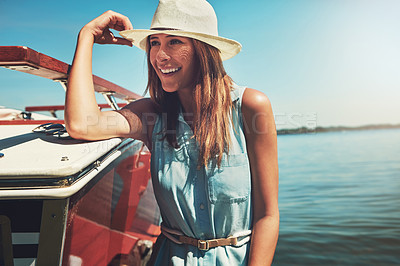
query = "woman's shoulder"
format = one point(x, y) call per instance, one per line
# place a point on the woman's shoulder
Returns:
point(146, 111)
point(258, 116)
point(146, 103)
point(255, 101)
point(143, 105)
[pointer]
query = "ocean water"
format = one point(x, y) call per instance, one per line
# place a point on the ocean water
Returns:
point(339, 198)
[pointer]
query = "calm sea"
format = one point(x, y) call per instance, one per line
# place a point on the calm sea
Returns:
point(339, 198)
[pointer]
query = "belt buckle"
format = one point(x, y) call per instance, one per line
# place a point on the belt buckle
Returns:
point(233, 240)
point(203, 245)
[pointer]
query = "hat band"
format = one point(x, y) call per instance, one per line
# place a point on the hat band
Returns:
point(163, 29)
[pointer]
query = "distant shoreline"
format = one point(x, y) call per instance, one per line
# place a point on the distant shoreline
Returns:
point(305, 130)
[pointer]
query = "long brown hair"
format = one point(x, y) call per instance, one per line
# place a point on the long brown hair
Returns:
point(212, 101)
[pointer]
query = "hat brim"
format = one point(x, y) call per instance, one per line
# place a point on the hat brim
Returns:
point(228, 48)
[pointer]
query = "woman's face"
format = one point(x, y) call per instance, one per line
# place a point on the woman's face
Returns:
point(173, 59)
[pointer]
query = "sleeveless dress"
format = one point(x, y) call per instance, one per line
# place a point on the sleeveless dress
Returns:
point(202, 203)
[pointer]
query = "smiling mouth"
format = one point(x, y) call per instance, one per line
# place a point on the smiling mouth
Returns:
point(170, 70)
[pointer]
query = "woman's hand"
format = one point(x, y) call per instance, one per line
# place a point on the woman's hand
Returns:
point(100, 27)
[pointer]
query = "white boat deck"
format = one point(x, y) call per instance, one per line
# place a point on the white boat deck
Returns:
point(36, 155)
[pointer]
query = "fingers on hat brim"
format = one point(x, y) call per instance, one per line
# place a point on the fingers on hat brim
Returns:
point(122, 41)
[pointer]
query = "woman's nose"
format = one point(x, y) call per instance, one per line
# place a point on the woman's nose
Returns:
point(162, 55)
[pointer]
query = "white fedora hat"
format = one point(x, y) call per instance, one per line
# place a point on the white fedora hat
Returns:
point(187, 18)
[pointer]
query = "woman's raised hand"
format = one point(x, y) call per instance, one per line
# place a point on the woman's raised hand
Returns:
point(100, 28)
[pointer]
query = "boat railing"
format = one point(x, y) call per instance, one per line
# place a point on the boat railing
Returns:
point(24, 59)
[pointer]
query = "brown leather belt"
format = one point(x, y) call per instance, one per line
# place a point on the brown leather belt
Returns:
point(207, 244)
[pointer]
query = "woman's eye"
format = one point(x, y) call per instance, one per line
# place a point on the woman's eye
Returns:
point(153, 43)
point(175, 41)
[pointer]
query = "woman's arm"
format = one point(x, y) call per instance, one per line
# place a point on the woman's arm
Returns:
point(261, 143)
point(83, 118)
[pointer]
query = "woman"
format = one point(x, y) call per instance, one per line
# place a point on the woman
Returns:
point(214, 156)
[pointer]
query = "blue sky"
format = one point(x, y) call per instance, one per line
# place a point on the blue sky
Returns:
point(321, 62)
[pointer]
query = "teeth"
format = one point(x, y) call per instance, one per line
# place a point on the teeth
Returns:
point(171, 70)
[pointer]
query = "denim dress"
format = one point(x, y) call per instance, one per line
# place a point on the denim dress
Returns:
point(202, 203)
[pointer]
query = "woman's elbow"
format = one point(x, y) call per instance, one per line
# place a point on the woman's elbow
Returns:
point(76, 130)
point(81, 126)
